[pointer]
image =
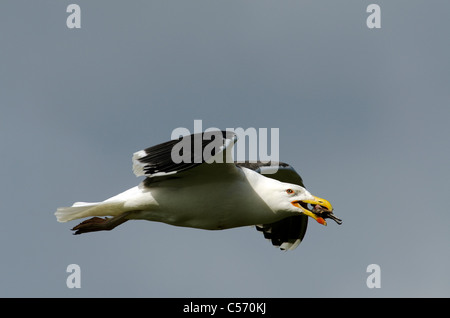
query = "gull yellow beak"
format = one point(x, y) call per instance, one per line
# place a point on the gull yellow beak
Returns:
point(316, 201)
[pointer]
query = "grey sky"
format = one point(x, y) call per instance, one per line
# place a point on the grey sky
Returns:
point(363, 116)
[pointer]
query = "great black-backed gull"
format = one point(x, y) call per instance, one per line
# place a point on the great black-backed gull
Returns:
point(207, 191)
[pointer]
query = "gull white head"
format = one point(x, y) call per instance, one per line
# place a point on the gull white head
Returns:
point(296, 199)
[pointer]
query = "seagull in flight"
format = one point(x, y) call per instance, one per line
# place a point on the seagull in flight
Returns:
point(209, 192)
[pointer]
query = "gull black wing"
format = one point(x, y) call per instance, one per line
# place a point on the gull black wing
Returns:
point(181, 154)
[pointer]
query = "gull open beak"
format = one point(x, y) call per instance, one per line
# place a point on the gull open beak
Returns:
point(321, 210)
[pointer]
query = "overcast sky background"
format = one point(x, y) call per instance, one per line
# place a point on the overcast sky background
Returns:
point(363, 115)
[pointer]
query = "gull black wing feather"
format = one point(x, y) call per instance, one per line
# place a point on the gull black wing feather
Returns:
point(181, 154)
point(282, 171)
point(289, 232)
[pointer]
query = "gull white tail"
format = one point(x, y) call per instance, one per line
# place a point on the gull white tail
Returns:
point(110, 207)
point(85, 209)
point(76, 211)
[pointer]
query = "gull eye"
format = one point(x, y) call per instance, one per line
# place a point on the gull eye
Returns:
point(289, 191)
